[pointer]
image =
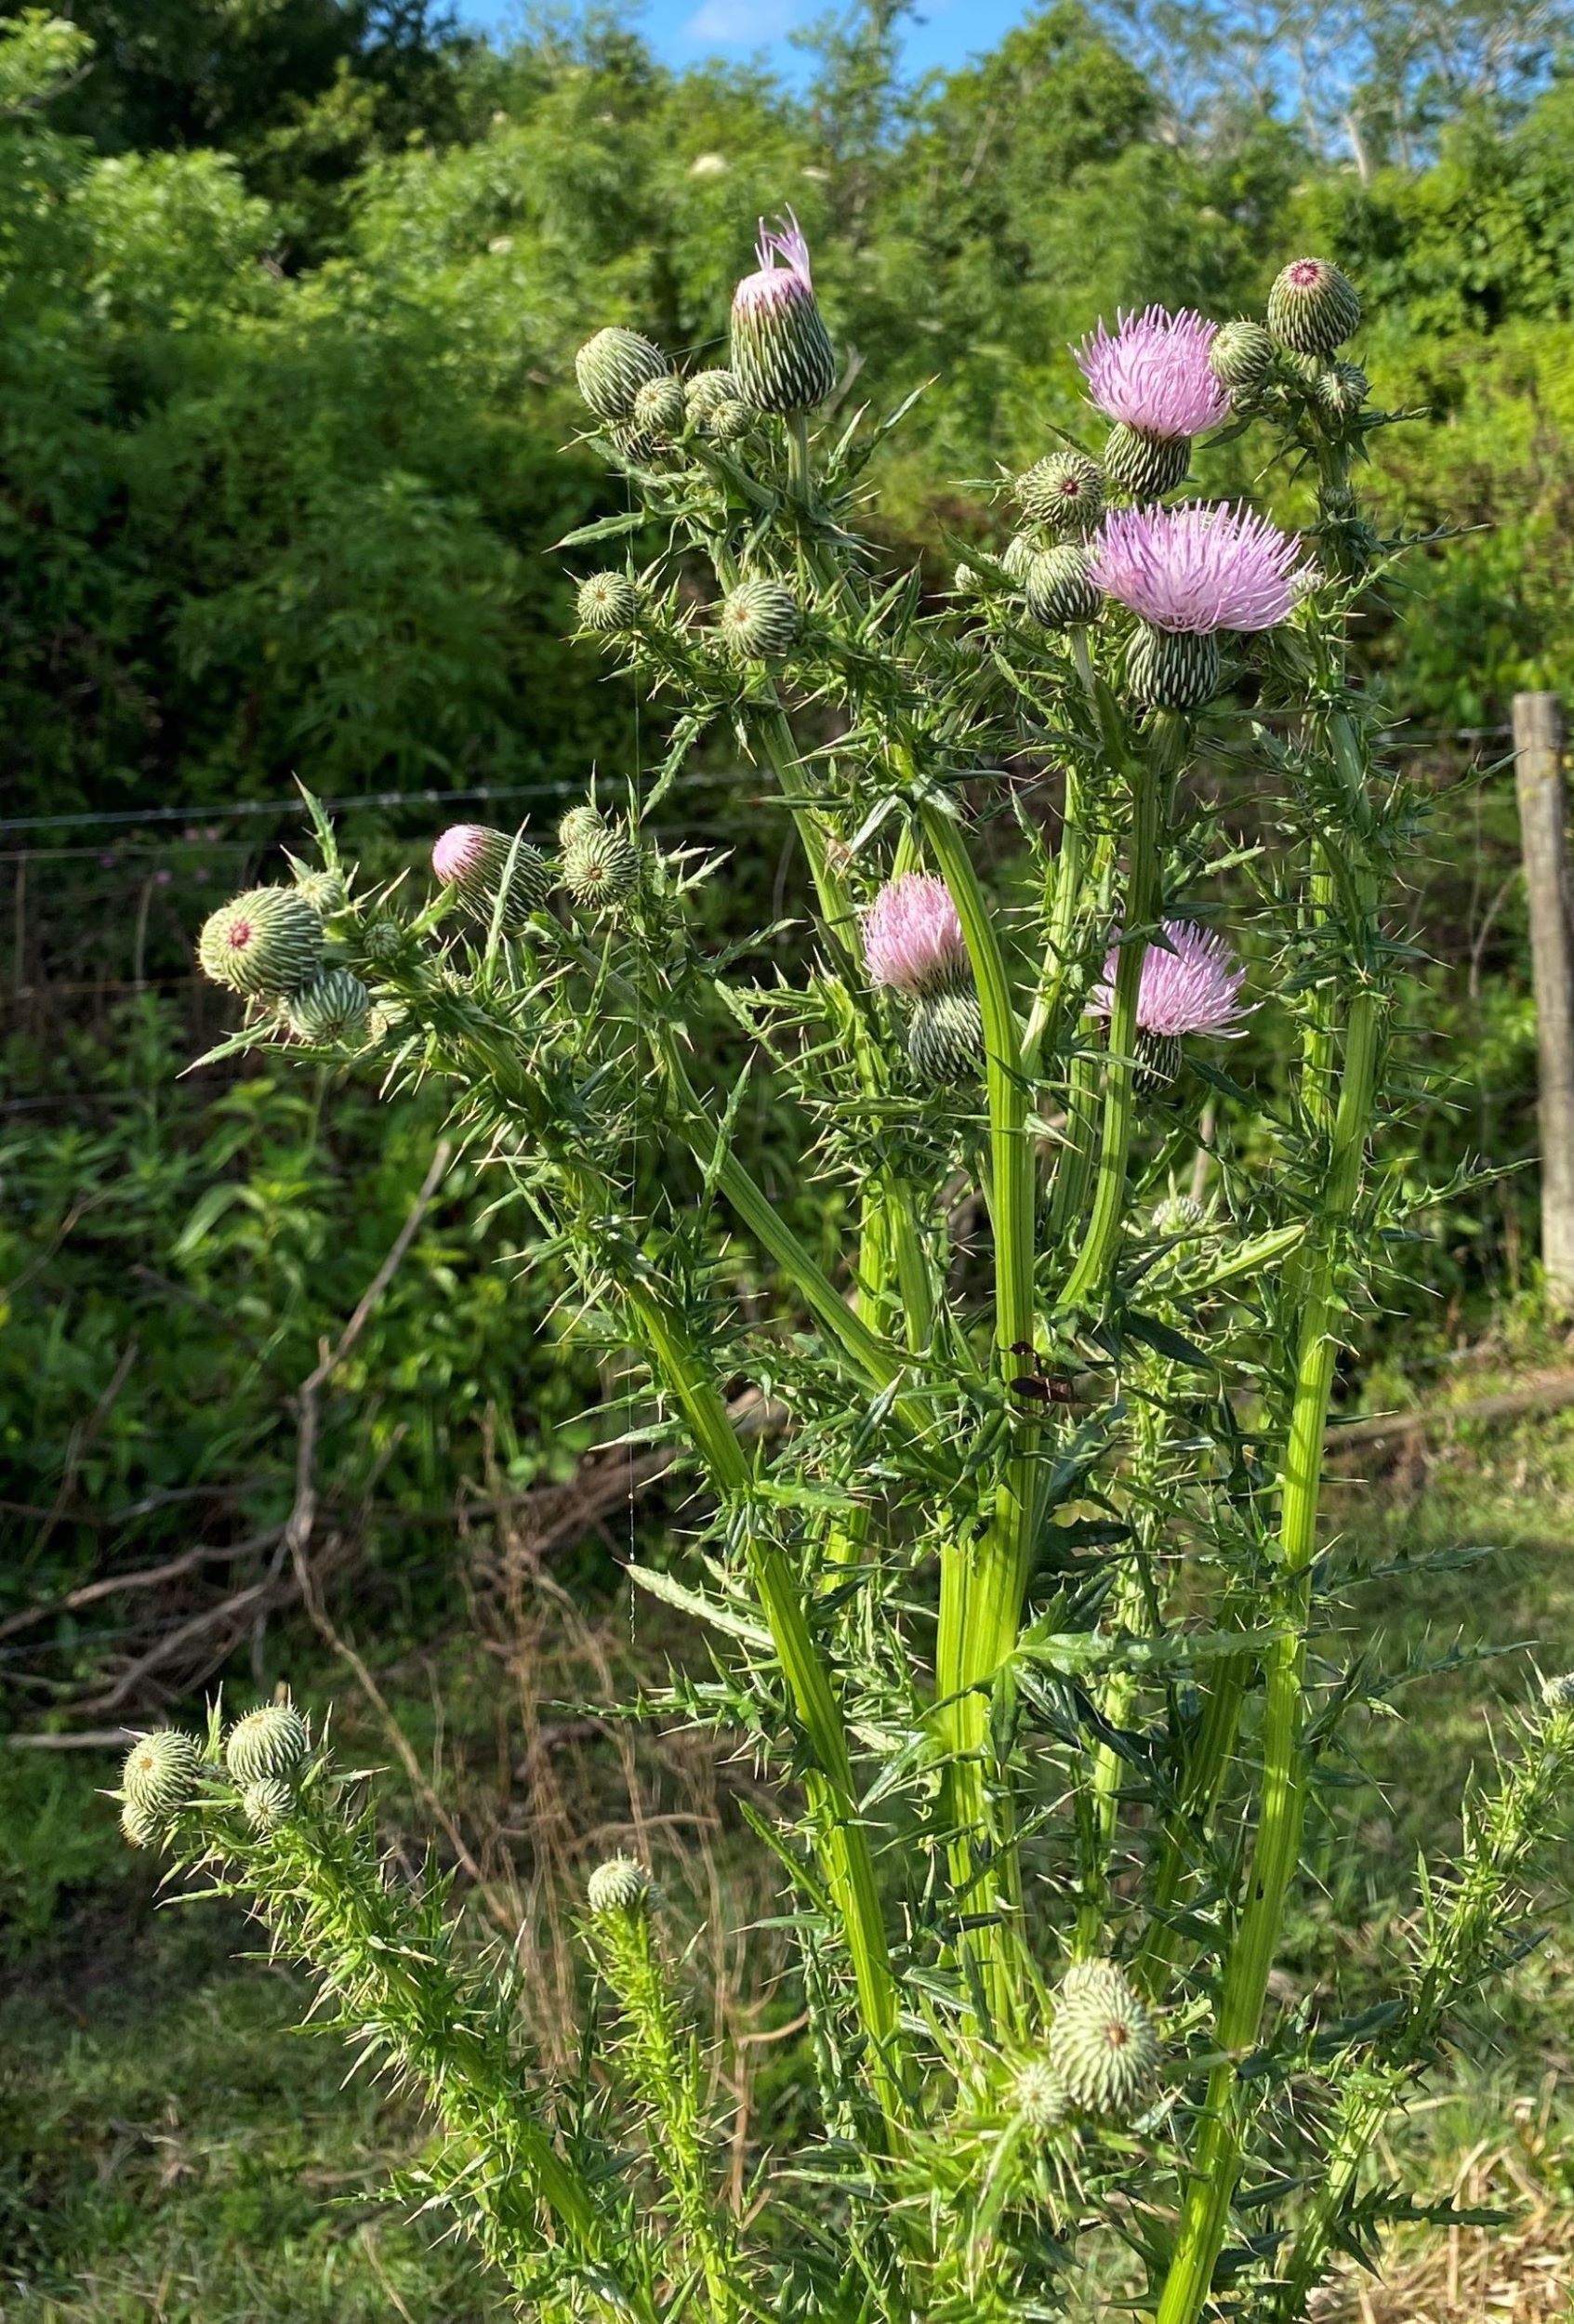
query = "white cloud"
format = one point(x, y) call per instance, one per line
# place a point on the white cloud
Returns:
point(740, 23)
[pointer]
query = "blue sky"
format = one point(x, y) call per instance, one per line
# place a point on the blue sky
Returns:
point(681, 32)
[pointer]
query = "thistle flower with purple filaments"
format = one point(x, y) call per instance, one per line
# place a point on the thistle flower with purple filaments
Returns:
point(1190, 984)
point(782, 355)
point(913, 940)
point(1153, 373)
point(1197, 568)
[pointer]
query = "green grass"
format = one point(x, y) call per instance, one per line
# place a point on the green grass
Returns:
point(172, 2148)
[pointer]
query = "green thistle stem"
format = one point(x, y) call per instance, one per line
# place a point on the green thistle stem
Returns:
point(982, 1588)
point(1217, 2165)
point(1142, 885)
point(830, 1786)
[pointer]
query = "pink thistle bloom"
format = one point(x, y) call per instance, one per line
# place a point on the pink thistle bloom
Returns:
point(464, 849)
point(776, 286)
point(1201, 567)
point(1193, 987)
point(912, 938)
point(1154, 374)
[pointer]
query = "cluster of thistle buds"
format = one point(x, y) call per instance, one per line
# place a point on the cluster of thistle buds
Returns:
point(274, 946)
point(1100, 532)
point(1102, 2061)
point(166, 1772)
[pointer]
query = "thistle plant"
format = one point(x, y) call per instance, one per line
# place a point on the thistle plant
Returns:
point(1018, 1601)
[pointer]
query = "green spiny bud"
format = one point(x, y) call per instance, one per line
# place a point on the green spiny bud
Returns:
point(1145, 465)
point(1342, 388)
point(1179, 1218)
point(607, 601)
point(324, 890)
point(946, 1035)
point(1313, 309)
point(1242, 356)
point(332, 1006)
point(600, 867)
point(1102, 2044)
point(759, 620)
point(659, 408)
point(1018, 555)
point(141, 1826)
point(729, 421)
point(1558, 1693)
point(705, 391)
point(160, 1773)
point(267, 1804)
point(1063, 491)
point(473, 861)
point(621, 1885)
point(1169, 669)
point(266, 942)
point(270, 1741)
point(578, 824)
point(1038, 2095)
point(385, 941)
point(613, 367)
point(1060, 590)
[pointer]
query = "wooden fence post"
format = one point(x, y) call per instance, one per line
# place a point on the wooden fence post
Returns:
point(1539, 785)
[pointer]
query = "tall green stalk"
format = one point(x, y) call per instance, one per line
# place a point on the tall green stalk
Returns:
point(1216, 2166)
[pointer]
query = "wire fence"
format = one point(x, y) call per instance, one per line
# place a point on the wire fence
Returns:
point(104, 905)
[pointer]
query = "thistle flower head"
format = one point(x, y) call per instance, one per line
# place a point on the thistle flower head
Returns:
point(264, 942)
point(267, 1804)
point(613, 367)
point(782, 354)
point(1153, 372)
point(606, 602)
point(141, 1826)
point(1063, 491)
point(1103, 2047)
point(473, 860)
point(913, 939)
point(332, 1007)
point(1197, 568)
point(620, 1885)
point(160, 1772)
point(269, 1742)
point(1193, 987)
point(1557, 1693)
point(1038, 2095)
point(1313, 307)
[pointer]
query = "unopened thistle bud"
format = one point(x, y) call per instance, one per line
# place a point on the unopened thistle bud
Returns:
point(384, 942)
point(1242, 356)
point(325, 891)
point(607, 601)
point(660, 409)
point(619, 1887)
point(613, 367)
point(1060, 590)
point(1342, 388)
point(268, 1743)
point(1172, 669)
point(1557, 1693)
point(1038, 2095)
point(601, 866)
point(160, 1772)
point(264, 942)
point(1103, 2045)
point(729, 421)
point(578, 822)
point(1145, 465)
point(267, 1804)
point(141, 1826)
point(1018, 555)
point(705, 391)
point(759, 620)
point(1063, 491)
point(1179, 1218)
point(1313, 309)
point(332, 1006)
point(783, 358)
point(474, 862)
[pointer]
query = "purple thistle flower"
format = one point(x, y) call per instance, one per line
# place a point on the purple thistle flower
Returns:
point(1154, 374)
point(776, 286)
point(913, 940)
point(1193, 987)
point(464, 849)
point(1197, 568)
